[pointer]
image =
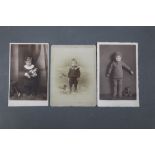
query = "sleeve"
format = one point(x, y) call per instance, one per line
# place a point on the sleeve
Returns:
point(37, 70)
point(69, 72)
point(110, 69)
point(124, 65)
point(25, 72)
point(78, 73)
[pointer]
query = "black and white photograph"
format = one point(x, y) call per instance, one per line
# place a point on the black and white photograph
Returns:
point(117, 74)
point(73, 75)
point(28, 83)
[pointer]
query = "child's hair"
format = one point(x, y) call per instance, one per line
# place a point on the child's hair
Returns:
point(28, 59)
point(118, 54)
point(115, 54)
point(74, 60)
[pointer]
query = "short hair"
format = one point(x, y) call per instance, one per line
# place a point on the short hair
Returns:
point(28, 59)
point(118, 54)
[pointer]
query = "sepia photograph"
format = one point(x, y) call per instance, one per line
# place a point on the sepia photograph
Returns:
point(28, 82)
point(117, 74)
point(73, 75)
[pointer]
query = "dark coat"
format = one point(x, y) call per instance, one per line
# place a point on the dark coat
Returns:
point(30, 84)
point(74, 72)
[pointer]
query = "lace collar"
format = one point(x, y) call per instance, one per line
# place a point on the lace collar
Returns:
point(28, 67)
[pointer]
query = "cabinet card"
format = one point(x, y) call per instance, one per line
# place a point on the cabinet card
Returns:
point(28, 82)
point(117, 74)
point(73, 75)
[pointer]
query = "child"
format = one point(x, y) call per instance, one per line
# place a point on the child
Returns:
point(116, 72)
point(73, 75)
point(30, 82)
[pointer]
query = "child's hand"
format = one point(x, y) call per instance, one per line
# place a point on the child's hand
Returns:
point(27, 75)
point(131, 72)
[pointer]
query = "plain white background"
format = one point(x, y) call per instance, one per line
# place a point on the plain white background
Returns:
point(80, 13)
point(77, 12)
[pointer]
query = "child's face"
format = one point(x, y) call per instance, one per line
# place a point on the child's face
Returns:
point(118, 58)
point(73, 64)
point(28, 63)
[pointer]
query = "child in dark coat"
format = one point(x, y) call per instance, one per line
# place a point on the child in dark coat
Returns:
point(116, 72)
point(30, 79)
point(73, 75)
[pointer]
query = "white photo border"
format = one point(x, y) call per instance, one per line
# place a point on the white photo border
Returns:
point(117, 103)
point(26, 103)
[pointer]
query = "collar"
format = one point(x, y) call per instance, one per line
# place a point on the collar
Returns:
point(28, 67)
point(118, 62)
point(76, 67)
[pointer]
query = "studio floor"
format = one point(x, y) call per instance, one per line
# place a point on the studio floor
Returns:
point(109, 97)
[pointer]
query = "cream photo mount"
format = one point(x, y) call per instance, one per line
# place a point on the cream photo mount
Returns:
point(62, 87)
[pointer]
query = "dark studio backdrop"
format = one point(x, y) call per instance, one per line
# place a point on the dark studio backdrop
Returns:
point(48, 117)
point(39, 55)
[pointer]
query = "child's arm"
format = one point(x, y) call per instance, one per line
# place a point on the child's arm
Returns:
point(34, 72)
point(127, 68)
point(109, 70)
point(78, 73)
point(27, 75)
point(69, 72)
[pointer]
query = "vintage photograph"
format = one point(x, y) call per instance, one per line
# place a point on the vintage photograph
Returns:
point(28, 83)
point(73, 75)
point(117, 74)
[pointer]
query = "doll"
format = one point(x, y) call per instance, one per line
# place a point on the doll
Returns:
point(116, 72)
point(127, 92)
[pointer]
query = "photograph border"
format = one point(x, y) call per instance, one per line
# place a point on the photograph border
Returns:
point(25, 103)
point(117, 103)
point(51, 72)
